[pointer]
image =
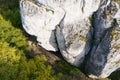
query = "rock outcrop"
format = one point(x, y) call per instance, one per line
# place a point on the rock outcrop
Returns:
point(104, 57)
point(73, 34)
point(83, 30)
point(40, 21)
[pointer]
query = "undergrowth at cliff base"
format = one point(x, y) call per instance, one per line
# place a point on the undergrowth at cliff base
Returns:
point(14, 64)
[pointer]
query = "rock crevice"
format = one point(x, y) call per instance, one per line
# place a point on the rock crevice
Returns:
point(66, 25)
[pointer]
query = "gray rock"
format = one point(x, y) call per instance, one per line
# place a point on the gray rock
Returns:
point(40, 20)
point(66, 24)
point(74, 34)
point(74, 41)
point(104, 57)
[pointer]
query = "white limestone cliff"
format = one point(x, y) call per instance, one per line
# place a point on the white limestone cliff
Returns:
point(72, 32)
point(40, 21)
point(104, 57)
point(83, 30)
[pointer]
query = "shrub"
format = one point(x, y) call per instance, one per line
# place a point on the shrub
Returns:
point(10, 11)
point(13, 63)
point(11, 35)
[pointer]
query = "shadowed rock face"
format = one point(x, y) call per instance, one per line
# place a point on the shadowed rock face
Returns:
point(66, 25)
point(100, 62)
point(74, 41)
point(40, 21)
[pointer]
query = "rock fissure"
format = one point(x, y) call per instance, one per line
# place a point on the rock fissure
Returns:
point(65, 25)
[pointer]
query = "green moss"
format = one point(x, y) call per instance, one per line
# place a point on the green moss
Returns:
point(114, 34)
point(116, 47)
point(116, 1)
point(47, 10)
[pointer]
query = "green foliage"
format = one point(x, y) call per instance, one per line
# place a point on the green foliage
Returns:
point(8, 54)
point(25, 69)
point(15, 66)
point(66, 68)
point(10, 11)
point(13, 63)
point(11, 35)
point(35, 69)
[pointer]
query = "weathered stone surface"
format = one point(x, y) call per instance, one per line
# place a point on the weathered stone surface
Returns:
point(73, 15)
point(66, 24)
point(104, 57)
point(73, 34)
point(40, 21)
point(74, 41)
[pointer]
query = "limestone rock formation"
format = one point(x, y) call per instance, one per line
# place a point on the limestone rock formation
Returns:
point(74, 41)
point(40, 18)
point(83, 30)
point(40, 21)
point(74, 34)
point(73, 31)
point(104, 57)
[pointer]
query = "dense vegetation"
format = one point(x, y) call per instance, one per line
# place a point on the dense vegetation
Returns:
point(14, 64)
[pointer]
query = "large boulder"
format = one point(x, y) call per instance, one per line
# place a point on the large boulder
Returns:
point(74, 41)
point(40, 18)
point(83, 30)
point(40, 21)
point(104, 57)
point(74, 32)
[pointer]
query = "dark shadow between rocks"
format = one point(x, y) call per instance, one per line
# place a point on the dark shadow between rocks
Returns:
point(97, 57)
point(88, 45)
point(57, 53)
point(115, 75)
